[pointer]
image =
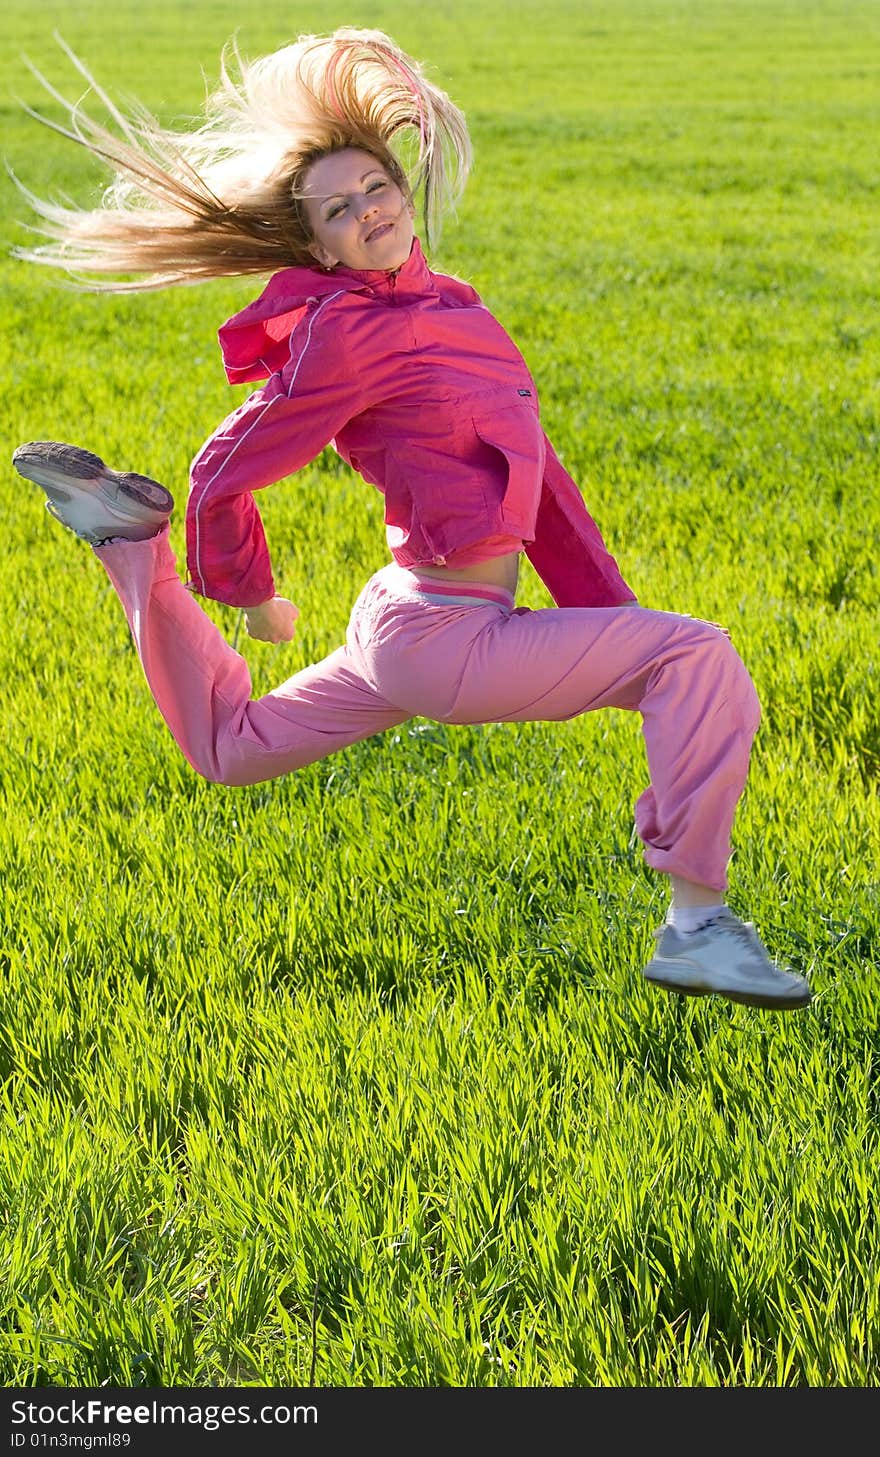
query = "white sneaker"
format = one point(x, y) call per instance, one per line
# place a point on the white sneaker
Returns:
point(90, 499)
point(725, 957)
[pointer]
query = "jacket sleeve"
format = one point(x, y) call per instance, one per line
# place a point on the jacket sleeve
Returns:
point(568, 552)
point(276, 431)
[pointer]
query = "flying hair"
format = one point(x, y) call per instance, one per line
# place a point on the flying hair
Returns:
point(224, 198)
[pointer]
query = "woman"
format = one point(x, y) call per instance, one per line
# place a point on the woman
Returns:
point(419, 389)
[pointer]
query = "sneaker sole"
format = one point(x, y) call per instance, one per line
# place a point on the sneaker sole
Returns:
point(789, 1002)
point(63, 470)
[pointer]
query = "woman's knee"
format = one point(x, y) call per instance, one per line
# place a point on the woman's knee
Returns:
point(729, 673)
point(238, 761)
point(225, 766)
point(237, 757)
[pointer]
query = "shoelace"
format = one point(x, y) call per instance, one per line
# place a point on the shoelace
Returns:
point(742, 930)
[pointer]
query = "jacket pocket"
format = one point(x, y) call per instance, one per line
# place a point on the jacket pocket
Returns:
point(515, 432)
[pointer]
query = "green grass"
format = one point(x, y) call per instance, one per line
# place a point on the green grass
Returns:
point(354, 1073)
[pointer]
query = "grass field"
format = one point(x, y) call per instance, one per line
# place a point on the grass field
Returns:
point(352, 1077)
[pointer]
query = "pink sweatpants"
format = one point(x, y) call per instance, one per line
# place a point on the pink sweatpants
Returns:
point(480, 660)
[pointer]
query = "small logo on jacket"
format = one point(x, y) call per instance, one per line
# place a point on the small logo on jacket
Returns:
point(525, 392)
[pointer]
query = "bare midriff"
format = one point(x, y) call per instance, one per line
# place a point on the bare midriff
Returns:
point(498, 571)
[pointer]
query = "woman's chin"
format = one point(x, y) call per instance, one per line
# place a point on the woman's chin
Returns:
point(391, 252)
point(385, 256)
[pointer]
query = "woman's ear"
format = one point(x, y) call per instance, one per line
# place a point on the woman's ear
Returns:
point(325, 259)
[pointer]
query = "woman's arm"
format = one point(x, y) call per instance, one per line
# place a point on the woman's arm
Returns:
point(276, 431)
point(568, 552)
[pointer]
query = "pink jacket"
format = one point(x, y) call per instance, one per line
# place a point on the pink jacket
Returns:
point(414, 383)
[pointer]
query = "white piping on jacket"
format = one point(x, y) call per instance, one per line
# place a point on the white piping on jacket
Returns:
point(197, 572)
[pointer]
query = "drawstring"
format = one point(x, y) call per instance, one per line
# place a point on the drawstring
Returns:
point(238, 628)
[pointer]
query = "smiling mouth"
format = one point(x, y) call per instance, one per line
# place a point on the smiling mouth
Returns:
point(379, 232)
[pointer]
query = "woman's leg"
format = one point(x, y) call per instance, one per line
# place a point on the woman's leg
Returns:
point(698, 705)
point(490, 663)
point(202, 687)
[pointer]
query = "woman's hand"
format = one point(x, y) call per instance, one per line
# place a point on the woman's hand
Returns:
point(272, 621)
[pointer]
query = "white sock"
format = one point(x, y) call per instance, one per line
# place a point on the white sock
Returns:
point(692, 918)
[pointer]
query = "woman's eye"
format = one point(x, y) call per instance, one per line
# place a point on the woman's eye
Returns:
point(339, 208)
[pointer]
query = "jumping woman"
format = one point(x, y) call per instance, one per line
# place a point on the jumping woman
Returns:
point(298, 171)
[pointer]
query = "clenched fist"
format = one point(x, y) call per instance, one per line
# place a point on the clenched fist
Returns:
point(272, 621)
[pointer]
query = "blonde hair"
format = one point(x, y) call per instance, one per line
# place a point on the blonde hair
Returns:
point(224, 198)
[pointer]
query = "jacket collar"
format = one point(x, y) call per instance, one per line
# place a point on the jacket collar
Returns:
point(411, 280)
point(255, 342)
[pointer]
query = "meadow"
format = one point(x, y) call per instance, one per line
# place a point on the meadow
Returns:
point(352, 1079)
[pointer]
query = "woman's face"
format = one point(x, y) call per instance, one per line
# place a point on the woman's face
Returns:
point(358, 215)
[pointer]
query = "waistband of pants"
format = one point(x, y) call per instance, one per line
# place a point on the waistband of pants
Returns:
point(452, 594)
